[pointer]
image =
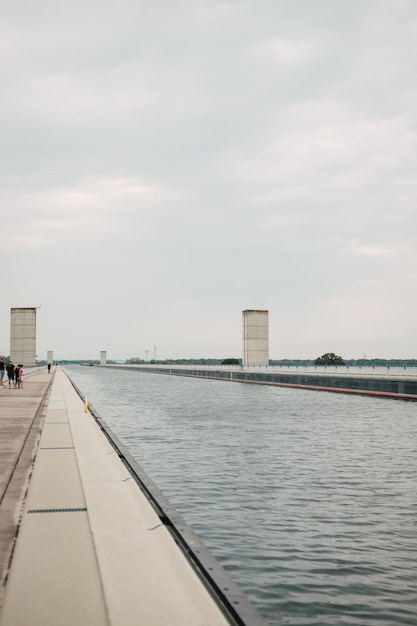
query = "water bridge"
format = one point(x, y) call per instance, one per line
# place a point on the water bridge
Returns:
point(86, 537)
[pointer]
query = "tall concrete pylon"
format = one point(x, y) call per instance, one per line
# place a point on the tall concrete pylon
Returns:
point(23, 335)
point(255, 326)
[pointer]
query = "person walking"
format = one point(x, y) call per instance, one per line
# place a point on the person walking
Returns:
point(10, 373)
point(1, 370)
point(20, 377)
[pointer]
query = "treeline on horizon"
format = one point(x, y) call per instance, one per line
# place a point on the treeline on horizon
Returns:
point(352, 362)
point(280, 362)
point(275, 362)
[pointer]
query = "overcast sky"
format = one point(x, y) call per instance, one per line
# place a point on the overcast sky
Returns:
point(167, 164)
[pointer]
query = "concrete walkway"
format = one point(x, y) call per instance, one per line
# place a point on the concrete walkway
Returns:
point(21, 416)
point(90, 549)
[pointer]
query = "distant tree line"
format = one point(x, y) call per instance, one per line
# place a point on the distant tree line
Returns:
point(326, 359)
point(329, 358)
point(74, 362)
point(137, 361)
point(348, 362)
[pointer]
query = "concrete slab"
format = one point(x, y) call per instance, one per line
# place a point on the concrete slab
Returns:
point(56, 415)
point(56, 434)
point(146, 580)
point(54, 579)
point(117, 504)
point(56, 404)
point(55, 482)
point(102, 468)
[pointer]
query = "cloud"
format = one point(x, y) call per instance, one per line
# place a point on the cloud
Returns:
point(371, 250)
point(185, 160)
point(97, 209)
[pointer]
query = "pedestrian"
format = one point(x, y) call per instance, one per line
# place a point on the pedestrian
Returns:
point(1, 370)
point(16, 376)
point(10, 373)
point(49, 368)
point(20, 377)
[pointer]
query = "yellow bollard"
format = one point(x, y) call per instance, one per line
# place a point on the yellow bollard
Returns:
point(85, 405)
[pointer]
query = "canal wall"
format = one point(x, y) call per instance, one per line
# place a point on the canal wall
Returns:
point(381, 385)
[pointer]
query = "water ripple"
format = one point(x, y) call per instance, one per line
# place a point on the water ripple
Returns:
point(308, 499)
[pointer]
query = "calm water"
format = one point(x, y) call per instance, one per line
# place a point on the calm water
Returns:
point(308, 499)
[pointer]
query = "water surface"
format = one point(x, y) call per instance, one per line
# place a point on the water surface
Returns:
point(308, 499)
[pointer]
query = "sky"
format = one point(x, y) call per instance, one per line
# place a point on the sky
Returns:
point(167, 164)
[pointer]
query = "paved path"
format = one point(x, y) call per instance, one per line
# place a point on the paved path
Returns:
point(90, 550)
point(21, 416)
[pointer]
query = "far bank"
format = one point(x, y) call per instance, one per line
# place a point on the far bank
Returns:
point(386, 385)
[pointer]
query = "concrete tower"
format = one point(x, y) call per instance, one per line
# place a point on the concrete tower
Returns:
point(23, 335)
point(255, 337)
point(103, 357)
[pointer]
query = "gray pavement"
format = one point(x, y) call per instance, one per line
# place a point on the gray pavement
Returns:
point(90, 548)
point(21, 415)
